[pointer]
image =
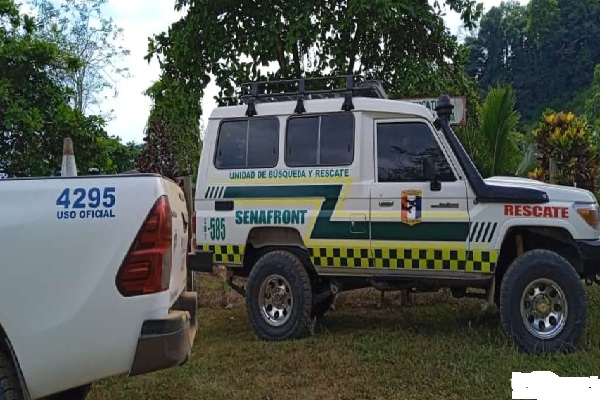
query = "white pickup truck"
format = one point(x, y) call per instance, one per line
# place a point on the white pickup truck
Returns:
point(92, 282)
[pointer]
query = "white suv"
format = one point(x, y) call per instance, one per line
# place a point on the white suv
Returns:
point(311, 192)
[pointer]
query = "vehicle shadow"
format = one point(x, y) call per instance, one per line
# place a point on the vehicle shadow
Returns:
point(430, 319)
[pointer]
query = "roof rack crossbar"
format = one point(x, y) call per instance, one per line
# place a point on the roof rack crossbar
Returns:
point(354, 86)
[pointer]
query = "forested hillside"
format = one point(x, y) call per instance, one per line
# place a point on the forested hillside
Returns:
point(547, 50)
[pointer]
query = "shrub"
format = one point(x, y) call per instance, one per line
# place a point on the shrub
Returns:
point(568, 141)
point(492, 140)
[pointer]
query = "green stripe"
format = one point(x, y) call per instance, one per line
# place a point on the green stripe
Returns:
point(326, 229)
point(425, 231)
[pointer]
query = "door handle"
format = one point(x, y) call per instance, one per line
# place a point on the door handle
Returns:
point(445, 205)
point(386, 203)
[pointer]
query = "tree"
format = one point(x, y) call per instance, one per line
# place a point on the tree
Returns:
point(157, 155)
point(34, 113)
point(80, 29)
point(546, 50)
point(492, 140)
point(114, 157)
point(173, 106)
point(405, 44)
point(592, 104)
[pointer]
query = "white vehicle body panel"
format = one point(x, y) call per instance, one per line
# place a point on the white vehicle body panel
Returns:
point(355, 195)
point(61, 310)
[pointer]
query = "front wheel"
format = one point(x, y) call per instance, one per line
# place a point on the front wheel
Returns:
point(279, 297)
point(542, 303)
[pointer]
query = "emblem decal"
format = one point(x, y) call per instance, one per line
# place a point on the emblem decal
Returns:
point(411, 206)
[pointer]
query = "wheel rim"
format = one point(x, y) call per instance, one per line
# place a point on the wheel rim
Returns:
point(276, 301)
point(544, 308)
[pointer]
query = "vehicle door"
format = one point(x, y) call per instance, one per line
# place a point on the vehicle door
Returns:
point(417, 226)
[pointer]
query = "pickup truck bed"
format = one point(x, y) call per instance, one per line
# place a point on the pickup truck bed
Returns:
point(92, 278)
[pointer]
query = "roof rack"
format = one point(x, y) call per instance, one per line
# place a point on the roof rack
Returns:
point(297, 89)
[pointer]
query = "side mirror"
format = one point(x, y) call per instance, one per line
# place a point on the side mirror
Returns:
point(430, 174)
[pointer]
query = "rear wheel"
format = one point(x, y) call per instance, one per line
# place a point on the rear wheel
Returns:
point(9, 383)
point(542, 303)
point(279, 297)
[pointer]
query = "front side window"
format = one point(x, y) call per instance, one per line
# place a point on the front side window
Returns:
point(249, 143)
point(321, 140)
point(401, 150)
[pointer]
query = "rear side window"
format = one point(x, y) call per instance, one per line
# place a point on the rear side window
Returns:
point(321, 140)
point(249, 143)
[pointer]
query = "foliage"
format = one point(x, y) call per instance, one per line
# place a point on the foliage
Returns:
point(546, 50)
point(592, 104)
point(115, 157)
point(568, 141)
point(492, 140)
point(79, 28)
point(404, 44)
point(35, 115)
point(172, 105)
point(157, 154)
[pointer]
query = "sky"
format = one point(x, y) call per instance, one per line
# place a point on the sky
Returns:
point(140, 19)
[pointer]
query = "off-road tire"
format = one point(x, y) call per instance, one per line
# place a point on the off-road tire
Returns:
point(9, 383)
point(288, 266)
point(320, 309)
point(529, 267)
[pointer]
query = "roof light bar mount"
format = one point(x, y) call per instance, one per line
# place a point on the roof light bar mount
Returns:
point(354, 86)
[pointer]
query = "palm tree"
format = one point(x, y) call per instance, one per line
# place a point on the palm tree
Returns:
point(493, 141)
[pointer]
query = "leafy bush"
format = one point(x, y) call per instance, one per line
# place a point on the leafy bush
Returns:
point(492, 140)
point(568, 141)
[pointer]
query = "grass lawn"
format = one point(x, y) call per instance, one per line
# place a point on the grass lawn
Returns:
point(439, 347)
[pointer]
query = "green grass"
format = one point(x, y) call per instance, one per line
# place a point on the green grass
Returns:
point(436, 348)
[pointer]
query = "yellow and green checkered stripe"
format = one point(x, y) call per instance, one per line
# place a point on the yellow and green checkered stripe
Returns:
point(339, 257)
point(406, 258)
point(226, 254)
point(388, 258)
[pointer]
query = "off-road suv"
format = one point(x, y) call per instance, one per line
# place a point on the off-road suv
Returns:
point(308, 193)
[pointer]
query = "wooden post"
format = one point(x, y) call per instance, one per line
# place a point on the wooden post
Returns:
point(552, 171)
point(187, 192)
point(68, 167)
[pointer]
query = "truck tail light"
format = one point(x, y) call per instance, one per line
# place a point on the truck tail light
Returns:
point(147, 267)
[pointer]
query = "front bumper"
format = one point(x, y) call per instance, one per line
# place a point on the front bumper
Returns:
point(166, 343)
point(589, 252)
